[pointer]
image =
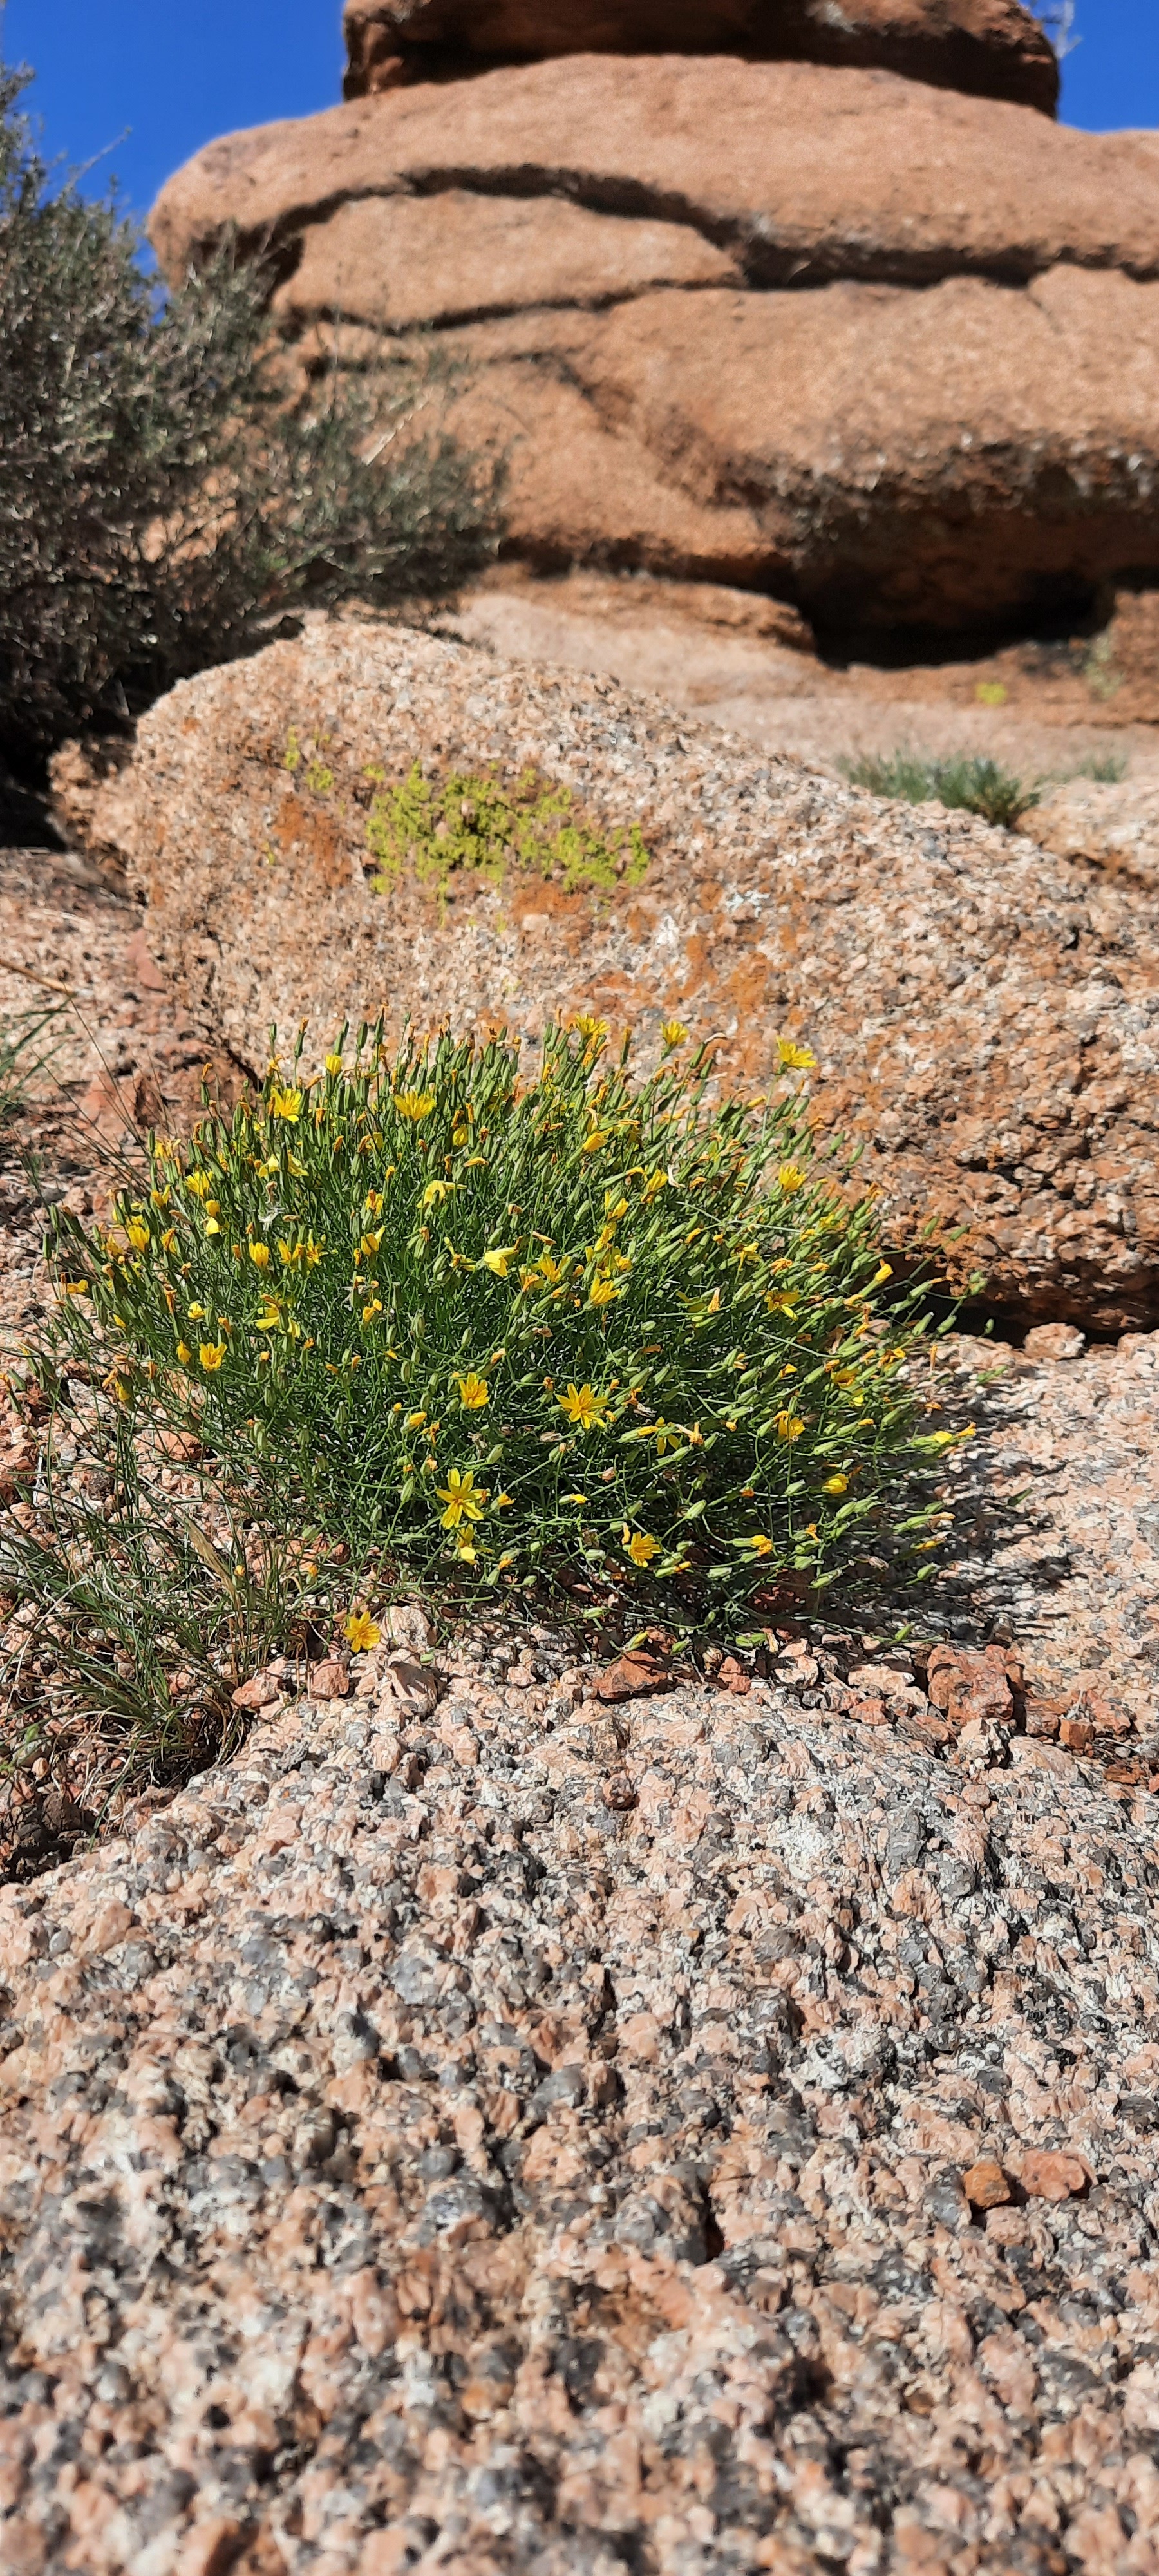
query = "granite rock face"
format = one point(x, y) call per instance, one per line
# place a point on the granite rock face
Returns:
point(992, 47)
point(984, 1013)
point(886, 350)
point(716, 2132)
point(1112, 823)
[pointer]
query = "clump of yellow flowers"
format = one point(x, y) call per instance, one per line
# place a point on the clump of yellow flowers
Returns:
point(512, 1324)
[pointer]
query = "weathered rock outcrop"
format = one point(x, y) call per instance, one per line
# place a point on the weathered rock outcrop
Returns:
point(993, 47)
point(984, 1015)
point(888, 351)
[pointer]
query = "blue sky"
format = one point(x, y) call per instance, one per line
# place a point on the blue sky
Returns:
point(176, 72)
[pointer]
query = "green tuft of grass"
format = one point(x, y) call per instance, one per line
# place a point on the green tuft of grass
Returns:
point(977, 786)
point(22, 1057)
point(1107, 768)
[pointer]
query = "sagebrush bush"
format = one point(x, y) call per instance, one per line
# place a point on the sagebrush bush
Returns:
point(165, 497)
point(575, 1331)
point(977, 786)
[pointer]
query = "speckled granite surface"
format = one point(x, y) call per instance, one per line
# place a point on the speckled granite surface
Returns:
point(711, 2133)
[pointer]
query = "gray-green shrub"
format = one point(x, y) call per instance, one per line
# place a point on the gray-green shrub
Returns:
point(166, 497)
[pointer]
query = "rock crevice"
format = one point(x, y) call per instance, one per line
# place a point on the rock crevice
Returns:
point(993, 48)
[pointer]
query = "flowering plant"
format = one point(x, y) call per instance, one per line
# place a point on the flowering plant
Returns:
point(580, 1328)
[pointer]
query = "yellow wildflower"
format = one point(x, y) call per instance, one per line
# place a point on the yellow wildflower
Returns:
point(260, 1255)
point(500, 1260)
point(760, 1545)
point(370, 1243)
point(789, 1426)
point(211, 1225)
point(881, 1274)
point(503, 1502)
point(673, 1033)
point(465, 1500)
point(200, 1184)
point(553, 1271)
point(583, 1407)
point(434, 1194)
point(794, 1058)
point(372, 1203)
point(138, 1234)
point(656, 1182)
point(362, 1632)
point(334, 1065)
point(640, 1547)
point(374, 1308)
point(197, 1314)
point(211, 1355)
point(415, 1421)
point(473, 1392)
point(592, 1143)
point(588, 1028)
point(791, 1177)
point(603, 1292)
point(414, 1105)
point(667, 1435)
point(76, 1287)
point(287, 1105)
point(184, 1354)
point(835, 1485)
point(467, 1554)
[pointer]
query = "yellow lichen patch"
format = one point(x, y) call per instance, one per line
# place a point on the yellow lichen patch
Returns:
point(431, 829)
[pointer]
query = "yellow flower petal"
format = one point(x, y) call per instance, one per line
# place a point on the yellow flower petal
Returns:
point(362, 1631)
point(583, 1407)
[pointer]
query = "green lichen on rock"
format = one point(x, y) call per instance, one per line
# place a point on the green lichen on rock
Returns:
point(436, 828)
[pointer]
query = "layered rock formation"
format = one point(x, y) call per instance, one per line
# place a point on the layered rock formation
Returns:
point(984, 1014)
point(887, 350)
point(993, 47)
